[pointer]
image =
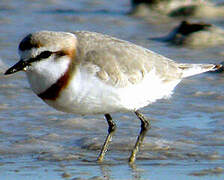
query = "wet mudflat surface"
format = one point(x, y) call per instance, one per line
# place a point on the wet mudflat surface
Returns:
point(186, 140)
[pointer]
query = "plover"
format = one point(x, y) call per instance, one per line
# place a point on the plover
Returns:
point(91, 73)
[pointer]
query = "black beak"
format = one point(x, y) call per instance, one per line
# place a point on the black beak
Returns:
point(21, 65)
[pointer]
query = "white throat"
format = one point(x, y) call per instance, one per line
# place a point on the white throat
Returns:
point(41, 75)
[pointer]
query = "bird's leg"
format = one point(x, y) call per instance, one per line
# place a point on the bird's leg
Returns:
point(145, 126)
point(111, 130)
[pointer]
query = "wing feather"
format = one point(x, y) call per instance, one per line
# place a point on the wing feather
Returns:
point(121, 63)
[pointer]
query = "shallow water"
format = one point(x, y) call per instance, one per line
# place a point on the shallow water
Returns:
point(36, 142)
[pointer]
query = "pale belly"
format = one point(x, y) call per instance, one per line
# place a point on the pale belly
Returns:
point(93, 96)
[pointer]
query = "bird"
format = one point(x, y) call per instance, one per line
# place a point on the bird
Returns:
point(89, 73)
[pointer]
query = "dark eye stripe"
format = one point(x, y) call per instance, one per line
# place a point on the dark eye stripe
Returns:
point(43, 55)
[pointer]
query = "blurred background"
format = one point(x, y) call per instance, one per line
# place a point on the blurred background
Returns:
point(186, 140)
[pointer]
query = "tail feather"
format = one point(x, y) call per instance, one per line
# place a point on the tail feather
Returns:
point(193, 69)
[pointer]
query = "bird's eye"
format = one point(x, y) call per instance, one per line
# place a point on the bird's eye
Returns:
point(44, 55)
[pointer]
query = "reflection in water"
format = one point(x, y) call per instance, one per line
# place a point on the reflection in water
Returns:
point(136, 172)
point(105, 171)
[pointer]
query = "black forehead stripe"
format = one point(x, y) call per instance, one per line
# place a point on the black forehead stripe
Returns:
point(27, 44)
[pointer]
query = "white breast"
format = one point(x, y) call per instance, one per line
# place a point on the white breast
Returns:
point(87, 94)
point(41, 75)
